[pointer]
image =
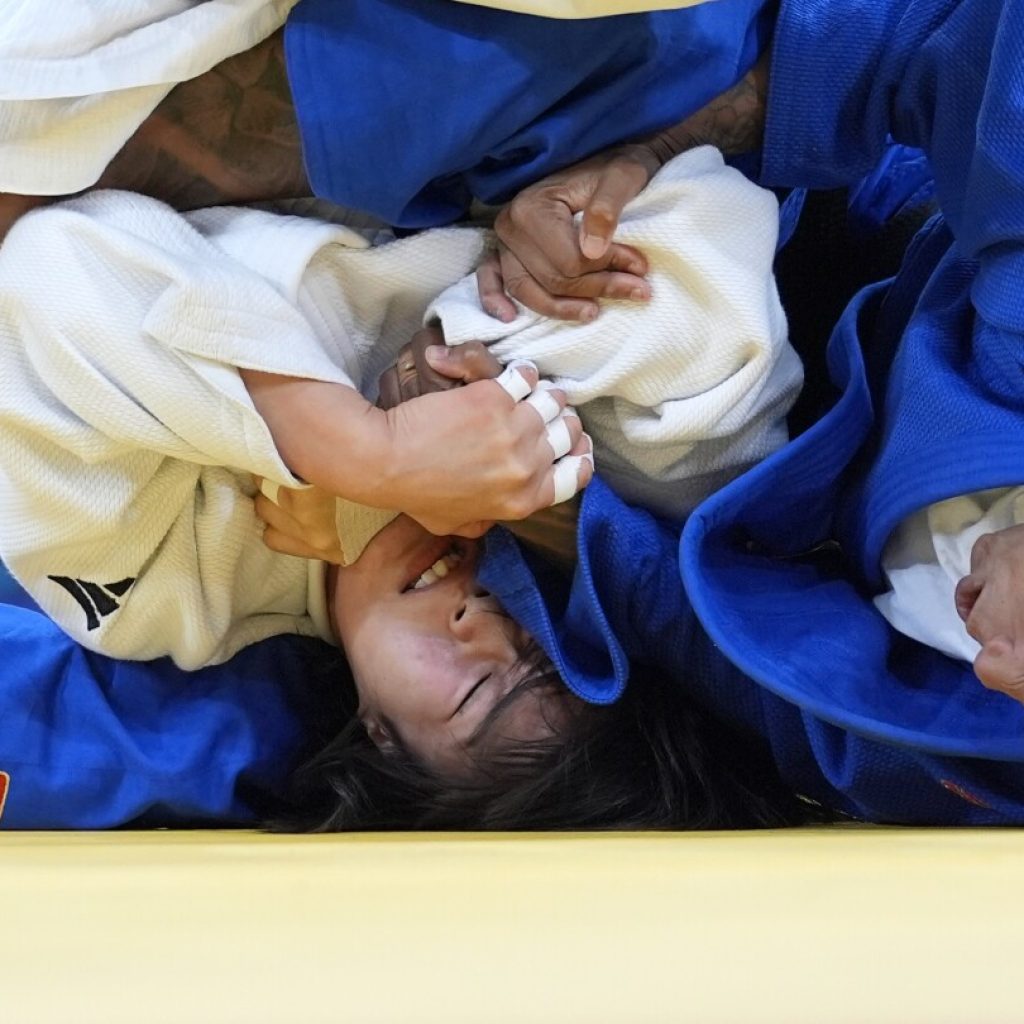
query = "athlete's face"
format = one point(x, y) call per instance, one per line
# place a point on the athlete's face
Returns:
point(431, 651)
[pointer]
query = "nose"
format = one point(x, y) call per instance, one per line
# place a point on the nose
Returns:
point(467, 611)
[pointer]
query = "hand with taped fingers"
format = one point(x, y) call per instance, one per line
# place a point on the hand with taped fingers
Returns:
point(480, 453)
point(302, 522)
point(990, 601)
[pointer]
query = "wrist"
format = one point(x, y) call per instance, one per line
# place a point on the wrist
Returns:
point(732, 122)
point(327, 434)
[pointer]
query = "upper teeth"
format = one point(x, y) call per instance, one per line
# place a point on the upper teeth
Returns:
point(439, 569)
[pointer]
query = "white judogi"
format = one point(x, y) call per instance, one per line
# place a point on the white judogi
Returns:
point(127, 436)
point(77, 77)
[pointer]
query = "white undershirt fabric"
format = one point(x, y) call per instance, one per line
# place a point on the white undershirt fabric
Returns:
point(927, 556)
point(127, 437)
point(78, 77)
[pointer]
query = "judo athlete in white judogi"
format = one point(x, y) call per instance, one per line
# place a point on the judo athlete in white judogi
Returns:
point(128, 438)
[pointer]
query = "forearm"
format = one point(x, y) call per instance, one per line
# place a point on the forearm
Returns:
point(732, 122)
point(14, 206)
point(228, 136)
point(327, 434)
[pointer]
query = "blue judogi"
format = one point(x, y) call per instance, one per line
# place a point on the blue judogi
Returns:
point(90, 742)
point(928, 403)
point(408, 108)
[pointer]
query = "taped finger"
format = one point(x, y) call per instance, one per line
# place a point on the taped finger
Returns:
point(559, 437)
point(566, 477)
point(544, 402)
point(513, 382)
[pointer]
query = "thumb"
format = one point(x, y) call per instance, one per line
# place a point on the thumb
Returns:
point(620, 182)
point(999, 666)
point(468, 362)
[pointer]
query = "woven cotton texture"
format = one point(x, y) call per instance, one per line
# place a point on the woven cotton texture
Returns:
point(127, 437)
point(77, 79)
point(683, 393)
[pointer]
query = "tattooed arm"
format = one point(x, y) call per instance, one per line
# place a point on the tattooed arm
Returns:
point(557, 269)
point(228, 136)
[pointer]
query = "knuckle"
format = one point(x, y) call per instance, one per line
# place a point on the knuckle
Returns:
point(516, 284)
point(519, 507)
point(564, 281)
point(984, 547)
point(323, 539)
point(519, 213)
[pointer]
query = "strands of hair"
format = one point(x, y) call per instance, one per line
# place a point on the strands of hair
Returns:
point(651, 760)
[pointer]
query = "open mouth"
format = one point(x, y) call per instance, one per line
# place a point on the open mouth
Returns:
point(437, 570)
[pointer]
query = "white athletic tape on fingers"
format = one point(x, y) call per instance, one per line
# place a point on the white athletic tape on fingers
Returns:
point(557, 432)
point(547, 406)
point(567, 477)
point(270, 489)
point(513, 382)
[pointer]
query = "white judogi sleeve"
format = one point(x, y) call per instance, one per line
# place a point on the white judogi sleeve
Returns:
point(126, 433)
point(77, 77)
point(683, 393)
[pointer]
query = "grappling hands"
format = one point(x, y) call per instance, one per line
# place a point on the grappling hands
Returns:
point(990, 600)
point(302, 522)
point(560, 267)
point(556, 268)
point(470, 455)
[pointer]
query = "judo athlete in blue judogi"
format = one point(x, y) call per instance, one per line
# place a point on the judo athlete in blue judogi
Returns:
point(780, 566)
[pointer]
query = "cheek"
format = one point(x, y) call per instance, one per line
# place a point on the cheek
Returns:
point(409, 677)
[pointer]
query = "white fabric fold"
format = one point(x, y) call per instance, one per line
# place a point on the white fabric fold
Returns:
point(684, 392)
point(77, 79)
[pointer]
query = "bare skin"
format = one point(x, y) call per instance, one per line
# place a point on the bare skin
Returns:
point(302, 522)
point(990, 601)
point(228, 136)
point(554, 267)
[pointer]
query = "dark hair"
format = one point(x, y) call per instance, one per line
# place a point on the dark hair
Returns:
point(651, 760)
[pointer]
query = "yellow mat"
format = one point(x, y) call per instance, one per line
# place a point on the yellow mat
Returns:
point(829, 925)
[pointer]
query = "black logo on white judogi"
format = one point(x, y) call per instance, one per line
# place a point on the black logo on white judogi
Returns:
point(98, 600)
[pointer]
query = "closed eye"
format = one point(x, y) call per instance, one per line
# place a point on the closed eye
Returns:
point(466, 699)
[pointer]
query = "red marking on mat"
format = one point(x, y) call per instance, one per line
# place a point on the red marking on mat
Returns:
point(965, 794)
point(5, 784)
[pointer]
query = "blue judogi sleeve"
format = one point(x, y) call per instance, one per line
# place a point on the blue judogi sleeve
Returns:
point(929, 403)
point(946, 76)
point(88, 742)
point(408, 108)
